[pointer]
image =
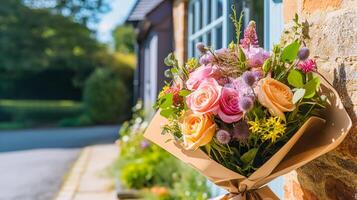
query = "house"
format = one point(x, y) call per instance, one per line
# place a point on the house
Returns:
point(165, 26)
point(177, 25)
point(153, 22)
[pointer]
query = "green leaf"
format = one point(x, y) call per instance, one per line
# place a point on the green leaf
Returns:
point(249, 156)
point(267, 65)
point(299, 94)
point(166, 101)
point(290, 52)
point(167, 113)
point(170, 60)
point(242, 56)
point(296, 79)
point(311, 87)
point(231, 45)
point(184, 93)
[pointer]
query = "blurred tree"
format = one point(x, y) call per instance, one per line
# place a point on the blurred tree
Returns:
point(34, 40)
point(83, 11)
point(124, 39)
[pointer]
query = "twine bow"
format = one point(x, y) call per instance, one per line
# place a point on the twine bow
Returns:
point(245, 191)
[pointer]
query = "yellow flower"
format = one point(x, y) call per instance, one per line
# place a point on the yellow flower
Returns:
point(163, 91)
point(268, 129)
point(197, 130)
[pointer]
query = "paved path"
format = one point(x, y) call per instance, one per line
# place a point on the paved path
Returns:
point(57, 137)
point(89, 178)
point(33, 162)
point(34, 174)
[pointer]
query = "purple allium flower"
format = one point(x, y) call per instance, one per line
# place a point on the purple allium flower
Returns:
point(306, 66)
point(250, 36)
point(249, 78)
point(223, 136)
point(144, 144)
point(258, 74)
point(206, 59)
point(201, 47)
point(303, 53)
point(246, 104)
point(241, 131)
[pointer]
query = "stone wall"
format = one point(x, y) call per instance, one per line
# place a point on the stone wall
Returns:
point(334, 43)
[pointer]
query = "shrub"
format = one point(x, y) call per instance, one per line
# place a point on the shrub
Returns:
point(145, 166)
point(105, 96)
point(38, 111)
point(82, 120)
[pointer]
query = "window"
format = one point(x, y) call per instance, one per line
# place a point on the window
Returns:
point(209, 22)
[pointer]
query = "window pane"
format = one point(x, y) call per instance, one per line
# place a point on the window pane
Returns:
point(200, 13)
point(192, 48)
point(209, 38)
point(193, 19)
point(219, 8)
point(209, 11)
point(219, 37)
point(197, 16)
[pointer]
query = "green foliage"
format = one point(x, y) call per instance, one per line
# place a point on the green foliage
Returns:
point(105, 96)
point(311, 87)
point(296, 79)
point(36, 111)
point(35, 40)
point(143, 167)
point(82, 120)
point(249, 156)
point(237, 22)
point(290, 52)
point(84, 11)
point(124, 39)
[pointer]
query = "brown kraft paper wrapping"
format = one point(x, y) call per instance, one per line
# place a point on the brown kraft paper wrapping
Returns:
point(316, 137)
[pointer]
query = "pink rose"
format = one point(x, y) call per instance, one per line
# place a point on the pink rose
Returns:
point(229, 110)
point(256, 56)
point(206, 98)
point(201, 73)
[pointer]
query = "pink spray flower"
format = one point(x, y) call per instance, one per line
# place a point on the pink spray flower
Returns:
point(256, 56)
point(206, 98)
point(229, 110)
point(306, 66)
point(201, 73)
point(250, 36)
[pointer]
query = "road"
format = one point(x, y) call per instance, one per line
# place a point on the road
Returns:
point(33, 162)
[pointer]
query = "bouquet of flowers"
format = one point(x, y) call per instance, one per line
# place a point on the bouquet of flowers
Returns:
point(243, 116)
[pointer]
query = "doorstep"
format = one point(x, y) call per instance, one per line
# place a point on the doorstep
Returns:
point(87, 180)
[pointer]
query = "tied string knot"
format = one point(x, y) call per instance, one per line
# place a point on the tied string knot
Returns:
point(241, 191)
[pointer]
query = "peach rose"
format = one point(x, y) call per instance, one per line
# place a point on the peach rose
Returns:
point(206, 98)
point(197, 129)
point(275, 96)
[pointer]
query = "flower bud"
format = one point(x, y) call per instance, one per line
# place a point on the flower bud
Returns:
point(223, 136)
point(249, 78)
point(241, 131)
point(303, 53)
point(246, 104)
point(201, 47)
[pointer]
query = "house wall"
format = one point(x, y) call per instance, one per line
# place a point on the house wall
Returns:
point(180, 29)
point(334, 39)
